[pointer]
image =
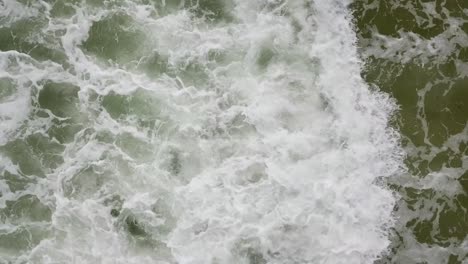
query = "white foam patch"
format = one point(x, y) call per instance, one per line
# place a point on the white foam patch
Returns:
point(12, 11)
point(308, 197)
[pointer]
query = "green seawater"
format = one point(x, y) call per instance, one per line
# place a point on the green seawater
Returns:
point(431, 89)
point(415, 51)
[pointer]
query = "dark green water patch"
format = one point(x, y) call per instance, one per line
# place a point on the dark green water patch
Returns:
point(136, 231)
point(247, 249)
point(60, 98)
point(23, 37)
point(17, 182)
point(48, 151)
point(27, 208)
point(265, 56)
point(212, 10)
point(403, 82)
point(7, 88)
point(445, 217)
point(64, 131)
point(145, 237)
point(63, 8)
point(391, 16)
point(140, 105)
point(134, 227)
point(445, 102)
point(446, 108)
point(153, 65)
point(175, 165)
point(22, 154)
point(134, 147)
point(464, 181)
point(24, 214)
point(23, 237)
point(115, 37)
point(166, 7)
point(452, 220)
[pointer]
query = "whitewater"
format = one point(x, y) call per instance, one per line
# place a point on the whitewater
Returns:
point(191, 132)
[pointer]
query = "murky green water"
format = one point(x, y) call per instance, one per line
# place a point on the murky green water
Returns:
point(219, 131)
point(417, 52)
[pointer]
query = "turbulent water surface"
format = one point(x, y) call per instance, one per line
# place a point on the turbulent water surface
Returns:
point(233, 131)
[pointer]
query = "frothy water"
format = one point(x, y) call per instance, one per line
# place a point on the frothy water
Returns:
point(190, 132)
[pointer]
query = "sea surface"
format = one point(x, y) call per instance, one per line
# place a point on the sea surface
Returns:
point(233, 131)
